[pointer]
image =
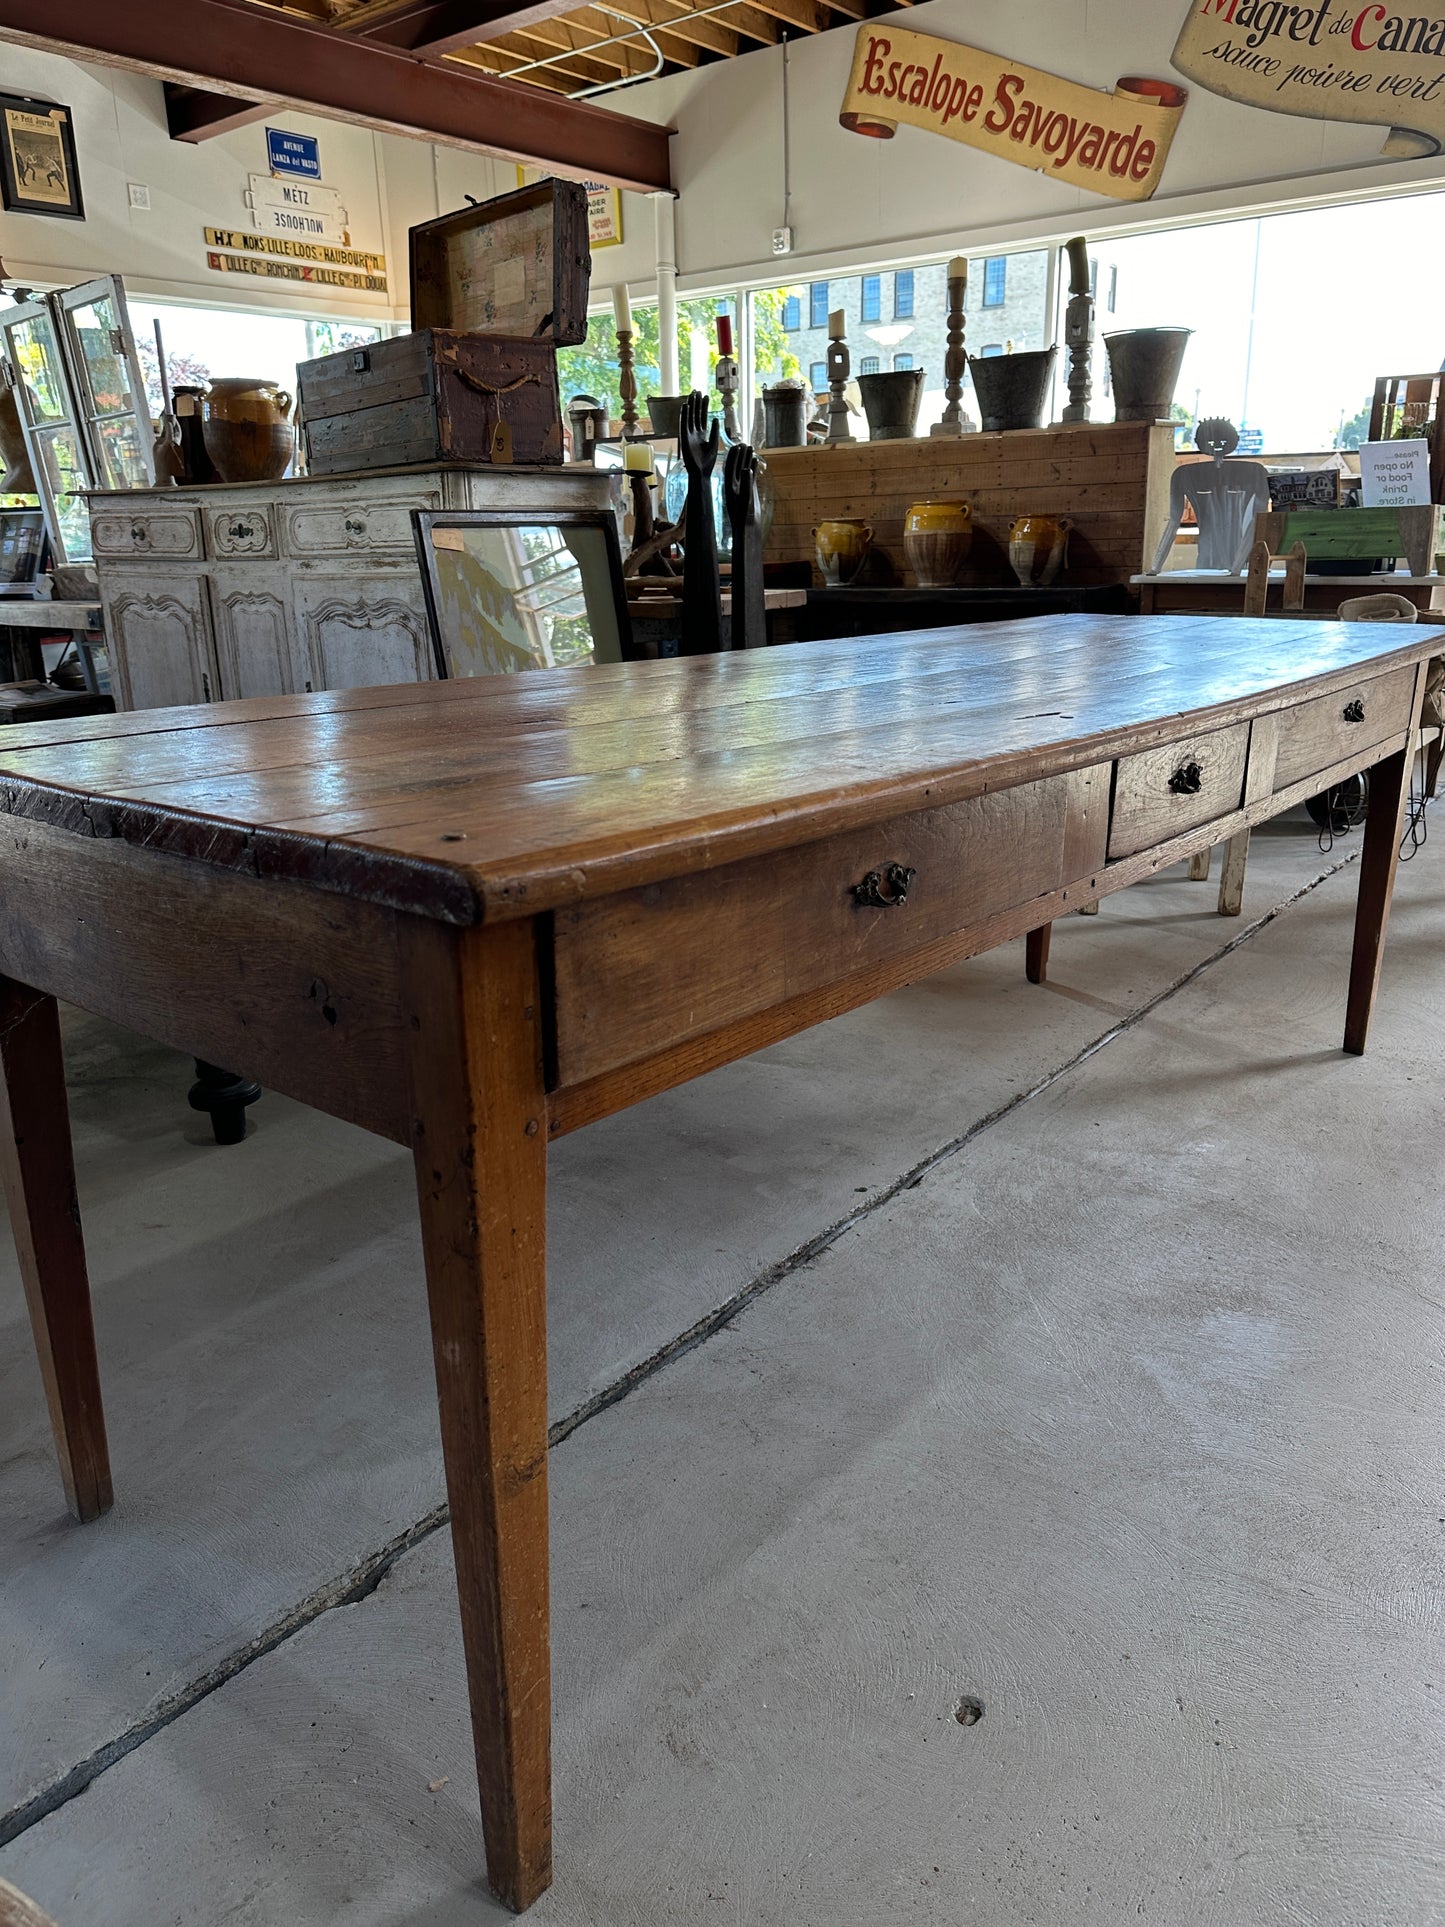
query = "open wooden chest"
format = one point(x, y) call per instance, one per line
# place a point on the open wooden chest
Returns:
point(496, 288)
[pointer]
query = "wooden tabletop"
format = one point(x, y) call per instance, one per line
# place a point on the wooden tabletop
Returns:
point(503, 795)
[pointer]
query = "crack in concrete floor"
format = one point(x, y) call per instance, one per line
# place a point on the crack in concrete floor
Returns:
point(355, 1585)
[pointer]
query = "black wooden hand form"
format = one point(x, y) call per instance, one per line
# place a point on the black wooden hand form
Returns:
point(740, 492)
point(701, 594)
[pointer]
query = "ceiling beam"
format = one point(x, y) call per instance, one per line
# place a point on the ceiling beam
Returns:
point(446, 26)
point(193, 115)
point(229, 47)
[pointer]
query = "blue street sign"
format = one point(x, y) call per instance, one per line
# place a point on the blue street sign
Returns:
point(293, 153)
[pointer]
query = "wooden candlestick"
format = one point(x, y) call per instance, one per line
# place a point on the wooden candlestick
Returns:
point(955, 360)
point(627, 383)
point(839, 366)
point(1079, 332)
point(727, 378)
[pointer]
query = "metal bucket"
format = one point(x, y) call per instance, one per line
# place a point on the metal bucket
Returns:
point(1144, 366)
point(1012, 390)
point(664, 412)
point(785, 416)
point(891, 403)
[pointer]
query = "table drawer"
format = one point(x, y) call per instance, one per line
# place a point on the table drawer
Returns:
point(1316, 735)
point(1162, 792)
point(653, 967)
point(241, 532)
point(146, 531)
point(352, 528)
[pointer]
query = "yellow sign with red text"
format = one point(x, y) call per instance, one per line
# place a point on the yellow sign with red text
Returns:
point(1329, 62)
point(1115, 143)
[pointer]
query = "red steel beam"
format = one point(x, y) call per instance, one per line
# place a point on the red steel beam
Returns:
point(229, 47)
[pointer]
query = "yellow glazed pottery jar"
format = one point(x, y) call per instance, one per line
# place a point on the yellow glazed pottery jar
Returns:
point(841, 548)
point(247, 429)
point(936, 538)
point(1037, 548)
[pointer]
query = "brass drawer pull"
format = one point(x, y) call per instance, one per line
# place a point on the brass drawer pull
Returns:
point(885, 889)
point(1187, 780)
point(1354, 712)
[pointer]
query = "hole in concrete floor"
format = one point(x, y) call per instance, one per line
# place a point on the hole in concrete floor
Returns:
point(969, 1711)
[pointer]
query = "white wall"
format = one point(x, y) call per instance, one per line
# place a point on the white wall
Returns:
point(854, 202)
point(858, 202)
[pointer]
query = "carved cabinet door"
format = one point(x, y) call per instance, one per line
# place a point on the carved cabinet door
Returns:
point(363, 629)
point(159, 631)
point(255, 649)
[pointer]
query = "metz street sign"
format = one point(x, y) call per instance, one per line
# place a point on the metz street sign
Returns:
point(293, 153)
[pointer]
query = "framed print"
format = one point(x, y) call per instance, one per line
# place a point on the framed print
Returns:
point(38, 170)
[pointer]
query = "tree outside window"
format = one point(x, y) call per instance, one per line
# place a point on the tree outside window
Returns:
point(995, 281)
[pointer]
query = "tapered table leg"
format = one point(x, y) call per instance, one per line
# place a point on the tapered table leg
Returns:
point(1036, 953)
point(1379, 859)
point(1231, 881)
point(480, 1143)
point(38, 1169)
point(1199, 866)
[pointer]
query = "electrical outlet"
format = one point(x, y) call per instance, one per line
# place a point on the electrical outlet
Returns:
point(140, 197)
point(782, 240)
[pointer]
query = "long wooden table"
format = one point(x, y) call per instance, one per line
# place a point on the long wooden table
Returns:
point(474, 915)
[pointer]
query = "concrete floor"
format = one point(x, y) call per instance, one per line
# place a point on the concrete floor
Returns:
point(1122, 1417)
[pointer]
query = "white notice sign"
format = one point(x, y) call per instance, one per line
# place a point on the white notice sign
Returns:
point(1394, 475)
point(301, 210)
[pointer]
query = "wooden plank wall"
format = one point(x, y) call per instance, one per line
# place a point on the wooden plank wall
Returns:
point(1110, 478)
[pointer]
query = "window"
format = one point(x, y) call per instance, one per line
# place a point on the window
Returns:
point(903, 361)
point(1113, 289)
point(872, 297)
point(995, 281)
point(993, 348)
point(818, 304)
point(903, 295)
point(1093, 279)
point(792, 313)
point(818, 377)
point(868, 365)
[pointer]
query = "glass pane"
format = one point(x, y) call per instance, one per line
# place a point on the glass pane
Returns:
point(121, 456)
point(36, 353)
point(529, 597)
point(97, 329)
point(66, 474)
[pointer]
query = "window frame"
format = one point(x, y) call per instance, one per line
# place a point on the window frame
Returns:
point(904, 294)
point(995, 281)
point(818, 304)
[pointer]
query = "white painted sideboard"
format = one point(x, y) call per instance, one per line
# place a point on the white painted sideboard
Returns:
point(272, 588)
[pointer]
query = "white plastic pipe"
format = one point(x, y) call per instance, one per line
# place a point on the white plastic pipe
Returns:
point(664, 211)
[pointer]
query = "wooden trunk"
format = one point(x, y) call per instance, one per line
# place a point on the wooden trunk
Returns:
point(433, 397)
point(516, 265)
point(1111, 479)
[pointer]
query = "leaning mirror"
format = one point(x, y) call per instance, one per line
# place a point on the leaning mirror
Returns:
point(507, 591)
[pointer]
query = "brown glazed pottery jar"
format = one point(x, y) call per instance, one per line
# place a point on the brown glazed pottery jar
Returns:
point(247, 428)
point(841, 548)
point(1038, 546)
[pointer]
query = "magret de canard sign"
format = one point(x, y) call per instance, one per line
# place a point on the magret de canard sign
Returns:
point(1114, 143)
point(1337, 60)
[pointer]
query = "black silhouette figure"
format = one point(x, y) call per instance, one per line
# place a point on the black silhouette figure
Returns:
point(740, 493)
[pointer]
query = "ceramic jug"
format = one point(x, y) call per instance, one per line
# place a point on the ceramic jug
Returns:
point(247, 427)
point(1037, 547)
point(841, 548)
point(936, 538)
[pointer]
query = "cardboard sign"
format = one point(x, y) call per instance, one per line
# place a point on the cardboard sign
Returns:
point(1394, 475)
point(1329, 61)
point(1114, 143)
point(604, 208)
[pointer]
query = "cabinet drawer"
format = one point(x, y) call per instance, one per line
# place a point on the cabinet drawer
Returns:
point(1329, 730)
point(355, 528)
point(1162, 792)
point(241, 532)
point(746, 937)
point(145, 531)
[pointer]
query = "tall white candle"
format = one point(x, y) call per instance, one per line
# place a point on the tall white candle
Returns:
point(622, 308)
point(958, 268)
